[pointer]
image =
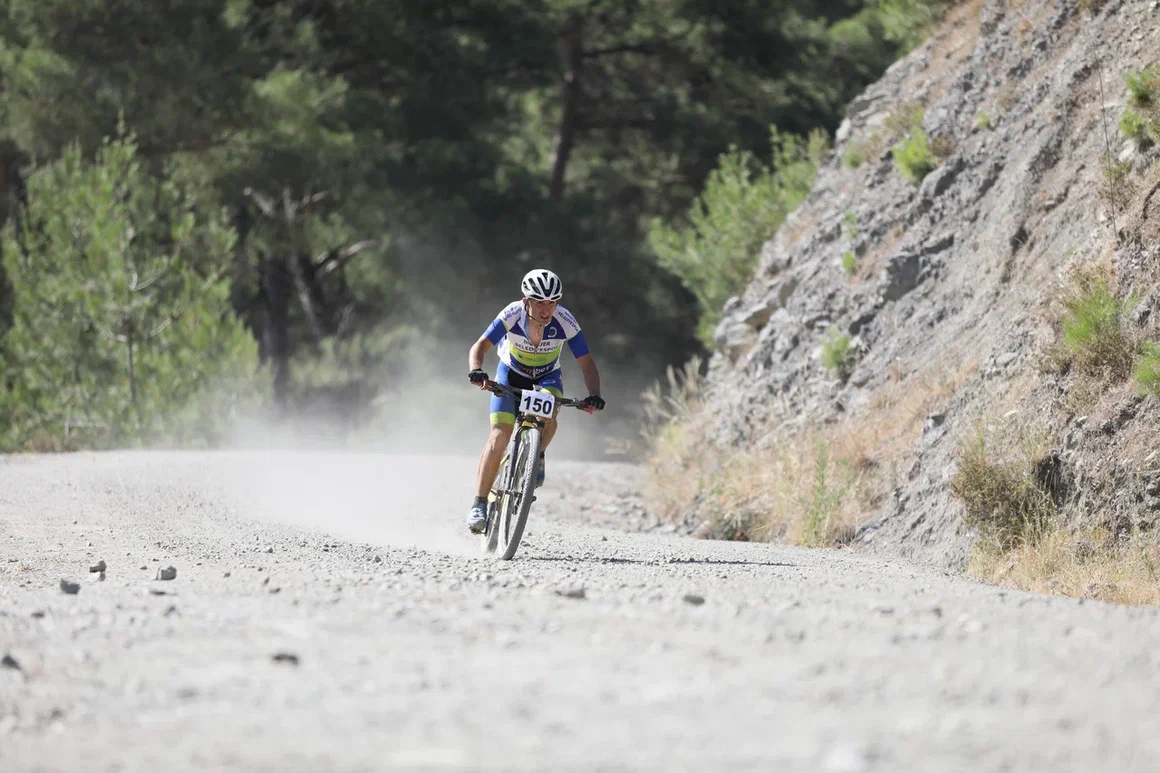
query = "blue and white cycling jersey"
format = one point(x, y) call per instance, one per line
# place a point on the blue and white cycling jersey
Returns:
point(509, 333)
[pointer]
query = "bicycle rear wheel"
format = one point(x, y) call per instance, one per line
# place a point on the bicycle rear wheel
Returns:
point(516, 500)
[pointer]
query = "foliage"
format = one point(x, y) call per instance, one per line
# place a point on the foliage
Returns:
point(1147, 370)
point(837, 353)
point(375, 159)
point(1002, 497)
point(120, 303)
point(1140, 121)
point(982, 120)
point(823, 503)
point(1136, 127)
point(855, 155)
point(743, 204)
point(849, 263)
point(850, 224)
point(908, 22)
point(809, 486)
point(674, 400)
point(914, 156)
point(1143, 88)
point(1094, 329)
point(1092, 564)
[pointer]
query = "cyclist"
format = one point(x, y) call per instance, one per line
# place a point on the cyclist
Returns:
point(530, 333)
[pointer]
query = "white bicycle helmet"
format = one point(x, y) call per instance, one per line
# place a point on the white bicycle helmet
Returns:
point(542, 285)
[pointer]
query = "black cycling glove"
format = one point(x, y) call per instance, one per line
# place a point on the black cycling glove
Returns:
point(477, 376)
point(596, 402)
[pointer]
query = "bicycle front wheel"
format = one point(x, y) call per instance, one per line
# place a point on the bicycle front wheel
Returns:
point(517, 501)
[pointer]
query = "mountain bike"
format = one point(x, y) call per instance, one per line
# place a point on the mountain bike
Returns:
point(511, 495)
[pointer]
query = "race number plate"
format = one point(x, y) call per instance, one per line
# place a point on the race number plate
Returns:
point(542, 404)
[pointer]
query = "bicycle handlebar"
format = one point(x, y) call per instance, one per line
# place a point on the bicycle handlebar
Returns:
point(503, 390)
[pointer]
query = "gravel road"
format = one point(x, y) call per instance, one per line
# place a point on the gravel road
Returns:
point(329, 614)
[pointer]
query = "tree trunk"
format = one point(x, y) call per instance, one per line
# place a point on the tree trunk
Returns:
point(311, 297)
point(276, 287)
point(132, 365)
point(572, 47)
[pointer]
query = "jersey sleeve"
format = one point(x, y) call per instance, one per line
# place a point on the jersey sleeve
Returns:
point(578, 345)
point(572, 332)
point(496, 331)
point(503, 323)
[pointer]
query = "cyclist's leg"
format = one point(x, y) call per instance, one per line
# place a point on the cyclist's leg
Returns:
point(503, 418)
point(554, 383)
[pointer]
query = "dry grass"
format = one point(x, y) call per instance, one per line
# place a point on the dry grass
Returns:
point(1006, 98)
point(1091, 565)
point(1116, 188)
point(880, 249)
point(814, 487)
point(895, 126)
point(1005, 486)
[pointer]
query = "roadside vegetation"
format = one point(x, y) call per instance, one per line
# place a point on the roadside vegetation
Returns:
point(1012, 483)
point(1087, 564)
point(744, 201)
point(814, 486)
point(817, 484)
point(136, 300)
point(1140, 120)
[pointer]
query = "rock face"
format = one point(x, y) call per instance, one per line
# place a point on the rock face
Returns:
point(952, 273)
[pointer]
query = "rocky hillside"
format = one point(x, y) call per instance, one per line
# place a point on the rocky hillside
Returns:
point(895, 320)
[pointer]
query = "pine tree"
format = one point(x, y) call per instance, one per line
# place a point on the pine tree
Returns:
point(121, 310)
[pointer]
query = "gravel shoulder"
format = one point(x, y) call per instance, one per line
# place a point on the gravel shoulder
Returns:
point(329, 614)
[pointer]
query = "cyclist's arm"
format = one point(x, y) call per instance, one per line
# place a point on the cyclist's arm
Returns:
point(478, 351)
point(491, 338)
point(590, 373)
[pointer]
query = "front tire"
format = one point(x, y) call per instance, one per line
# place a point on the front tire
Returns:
point(516, 502)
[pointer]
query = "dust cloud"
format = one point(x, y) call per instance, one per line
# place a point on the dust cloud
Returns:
point(371, 497)
point(403, 472)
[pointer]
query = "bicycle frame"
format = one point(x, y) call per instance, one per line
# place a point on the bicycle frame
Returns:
point(506, 486)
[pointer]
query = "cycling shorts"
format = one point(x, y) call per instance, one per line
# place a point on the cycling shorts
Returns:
point(503, 408)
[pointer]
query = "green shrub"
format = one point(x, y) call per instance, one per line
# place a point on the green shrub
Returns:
point(849, 263)
point(855, 155)
point(1143, 88)
point(914, 156)
point(121, 323)
point(824, 501)
point(1136, 127)
point(1141, 119)
point(850, 224)
point(1147, 371)
point(908, 22)
point(837, 352)
point(743, 204)
point(1003, 498)
point(1094, 329)
point(982, 120)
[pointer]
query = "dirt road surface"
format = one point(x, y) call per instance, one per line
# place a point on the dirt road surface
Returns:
point(329, 614)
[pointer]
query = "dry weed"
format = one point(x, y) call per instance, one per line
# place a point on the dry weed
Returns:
point(814, 487)
point(1090, 565)
point(1002, 484)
